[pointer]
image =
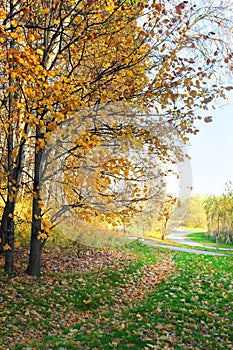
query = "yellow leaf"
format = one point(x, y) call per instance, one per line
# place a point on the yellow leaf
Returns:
point(40, 144)
point(17, 244)
point(11, 89)
point(120, 327)
point(3, 14)
point(31, 37)
point(5, 80)
point(39, 51)
point(13, 23)
point(6, 247)
point(19, 40)
point(13, 35)
point(13, 75)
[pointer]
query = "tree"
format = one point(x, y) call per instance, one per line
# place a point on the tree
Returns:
point(219, 211)
point(57, 69)
point(166, 211)
point(228, 212)
point(195, 215)
point(65, 56)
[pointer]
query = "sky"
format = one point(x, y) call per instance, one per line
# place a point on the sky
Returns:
point(211, 151)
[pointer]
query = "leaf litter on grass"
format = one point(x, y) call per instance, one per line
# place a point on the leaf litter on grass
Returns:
point(139, 301)
point(74, 288)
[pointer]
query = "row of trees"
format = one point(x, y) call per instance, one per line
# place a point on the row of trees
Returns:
point(195, 215)
point(219, 213)
point(60, 62)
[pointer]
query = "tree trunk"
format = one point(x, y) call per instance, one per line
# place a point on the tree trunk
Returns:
point(218, 234)
point(7, 222)
point(10, 241)
point(34, 265)
point(3, 226)
point(164, 227)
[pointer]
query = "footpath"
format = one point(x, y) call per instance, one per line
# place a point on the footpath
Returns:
point(179, 236)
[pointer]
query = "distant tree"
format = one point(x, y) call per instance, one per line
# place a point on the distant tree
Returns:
point(168, 206)
point(195, 215)
point(219, 213)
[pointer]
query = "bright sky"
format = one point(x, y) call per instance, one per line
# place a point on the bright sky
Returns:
point(212, 152)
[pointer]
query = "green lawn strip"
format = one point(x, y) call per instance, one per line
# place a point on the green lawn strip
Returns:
point(189, 310)
point(201, 237)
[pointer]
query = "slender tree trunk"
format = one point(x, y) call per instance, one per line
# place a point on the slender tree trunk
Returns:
point(163, 231)
point(7, 236)
point(218, 233)
point(10, 241)
point(164, 228)
point(3, 226)
point(7, 225)
point(34, 265)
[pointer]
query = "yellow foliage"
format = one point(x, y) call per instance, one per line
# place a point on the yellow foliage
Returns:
point(6, 247)
point(93, 54)
point(42, 236)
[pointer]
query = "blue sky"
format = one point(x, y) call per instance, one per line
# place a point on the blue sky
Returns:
point(211, 151)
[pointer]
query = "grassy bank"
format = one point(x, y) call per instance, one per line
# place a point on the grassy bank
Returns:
point(203, 238)
point(142, 298)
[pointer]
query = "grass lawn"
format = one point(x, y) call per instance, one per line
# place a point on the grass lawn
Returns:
point(141, 298)
point(201, 237)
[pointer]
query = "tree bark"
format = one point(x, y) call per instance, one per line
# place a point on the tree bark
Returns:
point(3, 226)
point(34, 265)
point(10, 240)
point(218, 233)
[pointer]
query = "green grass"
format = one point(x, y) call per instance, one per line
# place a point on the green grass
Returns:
point(201, 237)
point(190, 309)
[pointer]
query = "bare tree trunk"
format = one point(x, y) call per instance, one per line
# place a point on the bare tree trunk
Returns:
point(218, 233)
point(34, 265)
point(10, 241)
point(3, 226)
point(164, 228)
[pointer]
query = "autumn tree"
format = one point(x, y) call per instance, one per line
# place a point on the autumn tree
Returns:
point(167, 209)
point(65, 56)
point(195, 215)
point(51, 47)
point(219, 213)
